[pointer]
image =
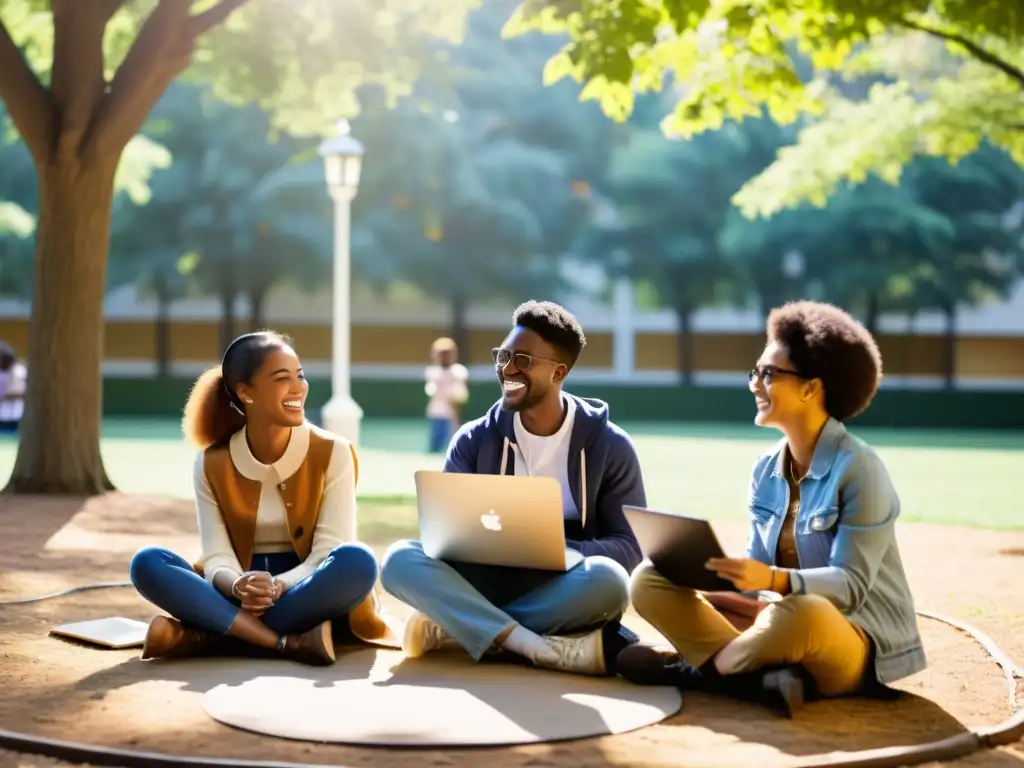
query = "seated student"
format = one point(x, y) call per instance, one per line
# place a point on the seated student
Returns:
point(535, 429)
point(822, 535)
point(276, 504)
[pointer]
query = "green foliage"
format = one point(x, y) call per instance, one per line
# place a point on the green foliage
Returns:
point(141, 158)
point(233, 214)
point(301, 60)
point(472, 187)
point(15, 221)
point(673, 198)
point(739, 59)
point(16, 229)
point(977, 261)
point(430, 212)
point(936, 239)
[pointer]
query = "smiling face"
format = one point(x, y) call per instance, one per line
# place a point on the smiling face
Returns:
point(278, 390)
point(779, 393)
point(531, 372)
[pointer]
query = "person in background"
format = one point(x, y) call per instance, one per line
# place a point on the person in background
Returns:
point(276, 503)
point(564, 621)
point(13, 381)
point(447, 390)
point(822, 543)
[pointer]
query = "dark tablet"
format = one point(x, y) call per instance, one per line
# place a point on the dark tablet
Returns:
point(678, 546)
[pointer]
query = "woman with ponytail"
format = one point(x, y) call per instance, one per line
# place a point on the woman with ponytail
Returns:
point(276, 504)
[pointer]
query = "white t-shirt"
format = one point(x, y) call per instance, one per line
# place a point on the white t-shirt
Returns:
point(446, 387)
point(548, 456)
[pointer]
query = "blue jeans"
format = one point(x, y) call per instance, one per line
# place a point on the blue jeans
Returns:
point(441, 431)
point(340, 583)
point(476, 603)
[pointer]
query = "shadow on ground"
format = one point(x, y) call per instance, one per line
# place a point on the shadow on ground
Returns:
point(76, 692)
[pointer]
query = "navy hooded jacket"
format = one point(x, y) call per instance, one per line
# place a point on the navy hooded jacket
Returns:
point(604, 472)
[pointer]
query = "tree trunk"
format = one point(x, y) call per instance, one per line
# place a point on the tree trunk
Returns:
point(162, 334)
point(684, 343)
point(227, 319)
point(949, 347)
point(257, 300)
point(460, 325)
point(874, 310)
point(59, 449)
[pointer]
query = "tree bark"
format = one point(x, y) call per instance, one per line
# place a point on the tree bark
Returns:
point(59, 450)
point(460, 324)
point(76, 133)
point(162, 332)
point(684, 342)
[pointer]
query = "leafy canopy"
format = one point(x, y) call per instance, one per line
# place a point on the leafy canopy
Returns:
point(96, 68)
point(951, 73)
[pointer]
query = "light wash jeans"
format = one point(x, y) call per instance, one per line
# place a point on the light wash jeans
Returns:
point(339, 583)
point(475, 603)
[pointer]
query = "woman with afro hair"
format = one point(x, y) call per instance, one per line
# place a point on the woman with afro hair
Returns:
point(822, 605)
point(276, 505)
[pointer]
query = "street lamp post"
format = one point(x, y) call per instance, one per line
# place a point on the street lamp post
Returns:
point(343, 157)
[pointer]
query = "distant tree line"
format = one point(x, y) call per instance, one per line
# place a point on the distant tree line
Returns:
point(484, 184)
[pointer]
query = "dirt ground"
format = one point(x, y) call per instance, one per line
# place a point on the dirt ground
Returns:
point(72, 692)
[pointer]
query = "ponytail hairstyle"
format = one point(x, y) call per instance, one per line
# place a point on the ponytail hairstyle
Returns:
point(213, 412)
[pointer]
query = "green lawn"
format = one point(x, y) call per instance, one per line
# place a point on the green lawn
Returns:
point(963, 478)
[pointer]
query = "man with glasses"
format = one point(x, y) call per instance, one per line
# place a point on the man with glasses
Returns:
point(565, 621)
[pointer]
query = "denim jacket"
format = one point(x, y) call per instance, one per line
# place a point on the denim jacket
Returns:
point(846, 542)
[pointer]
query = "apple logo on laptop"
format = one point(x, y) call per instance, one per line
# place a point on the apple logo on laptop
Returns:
point(490, 521)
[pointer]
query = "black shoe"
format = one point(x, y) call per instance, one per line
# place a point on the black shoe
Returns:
point(646, 665)
point(616, 638)
point(782, 689)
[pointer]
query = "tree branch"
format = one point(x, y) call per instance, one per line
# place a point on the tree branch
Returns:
point(110, 7)
point(160, 52)
point(27, 101)
point(214, 16)
point(77, 81)
point(981, 54)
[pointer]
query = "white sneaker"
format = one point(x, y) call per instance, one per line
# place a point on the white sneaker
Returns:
point(582, 654)
point(422, 635)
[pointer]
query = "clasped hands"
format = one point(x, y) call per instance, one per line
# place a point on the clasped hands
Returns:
point(258, 591)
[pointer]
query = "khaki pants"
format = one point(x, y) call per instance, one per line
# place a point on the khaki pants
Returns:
point(799, 629)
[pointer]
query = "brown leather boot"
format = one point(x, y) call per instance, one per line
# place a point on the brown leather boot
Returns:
point(166, 638)
point(315, 647)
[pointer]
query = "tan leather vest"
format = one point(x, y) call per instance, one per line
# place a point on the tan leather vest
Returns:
point(238, 497)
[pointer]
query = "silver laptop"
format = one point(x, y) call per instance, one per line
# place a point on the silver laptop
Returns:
point(493, 520)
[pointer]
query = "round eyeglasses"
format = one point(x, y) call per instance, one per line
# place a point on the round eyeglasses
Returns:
point(520, 360)
point(766, 373)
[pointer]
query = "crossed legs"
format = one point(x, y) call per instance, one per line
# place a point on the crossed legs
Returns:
point(800, 630)
point(528, 612)
point(339, 584)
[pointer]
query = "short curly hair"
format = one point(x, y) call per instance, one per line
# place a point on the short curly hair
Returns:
point(555, 324)
point(827, 343)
